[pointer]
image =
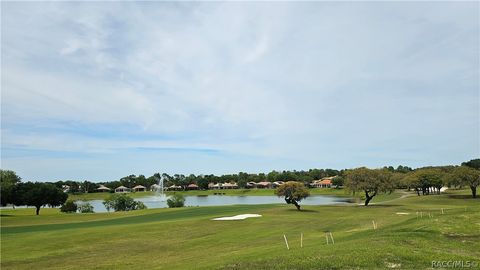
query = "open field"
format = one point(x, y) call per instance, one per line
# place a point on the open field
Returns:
point(187, 239)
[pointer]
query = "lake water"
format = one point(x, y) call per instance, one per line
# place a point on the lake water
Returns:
point(211, 200)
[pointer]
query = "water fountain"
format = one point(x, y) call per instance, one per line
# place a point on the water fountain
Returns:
point(159, 191)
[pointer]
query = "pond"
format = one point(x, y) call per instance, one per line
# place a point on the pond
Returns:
point(211, 200)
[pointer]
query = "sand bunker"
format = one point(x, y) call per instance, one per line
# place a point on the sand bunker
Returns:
point(238, 217)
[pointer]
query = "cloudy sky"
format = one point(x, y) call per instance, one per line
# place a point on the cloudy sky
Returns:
point(98, 91)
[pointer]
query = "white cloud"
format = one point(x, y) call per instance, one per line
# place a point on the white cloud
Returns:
point(273, 80)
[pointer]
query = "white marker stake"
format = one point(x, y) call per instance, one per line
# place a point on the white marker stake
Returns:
point(286, 242)
point(331, 236)
point(301, 240)
point(373, 223)
point(442, 211)
point(326, 237)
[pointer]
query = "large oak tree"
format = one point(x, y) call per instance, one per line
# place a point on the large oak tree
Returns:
point(370, 181)
point(468, 176)
point(293, 192)
point(38, 195)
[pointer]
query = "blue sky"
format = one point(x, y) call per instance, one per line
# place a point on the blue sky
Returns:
point(98, 91)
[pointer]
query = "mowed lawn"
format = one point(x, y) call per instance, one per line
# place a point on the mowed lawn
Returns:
point(187, 238)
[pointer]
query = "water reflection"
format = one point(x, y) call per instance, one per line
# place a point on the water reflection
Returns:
point(211, 200)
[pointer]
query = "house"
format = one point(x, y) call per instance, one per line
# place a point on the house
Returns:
point(251, 185)
point(155, 187)
point(122, 189)
point(139, 188)
point(192, 187)
point(277, 184)
point(229, 186)
point(103, 188)
point(325, 182)
point(211, 185)
point(217, 186)
point(174, 187)
point(263, 185)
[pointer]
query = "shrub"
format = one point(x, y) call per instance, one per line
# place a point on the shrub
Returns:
point(176, 200)
point(122, 202)
point(140, 205)
point(85, 208)
point(69, 207)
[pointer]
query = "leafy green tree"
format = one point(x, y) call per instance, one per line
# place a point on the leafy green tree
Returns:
point(410, 180)
point(212, 178)
point(317, 173)
point(428, 178)
point(88, 187)
point(128, 181)
point(369, 181)
point(474, 163)
point(272, 176)
point(403, 169)
point(151, 180)
point(168, 180)
point(38, 195)
point(468, 176)
point(85, 207)
point(176, 200)
point(69, 207)
point(389, 168)
point(122, 202)
point(338, 181)
point(8, 180)
point(397, 180)
point(202, 182)
point(331, 172)
point(293, 192)
point(242, 179)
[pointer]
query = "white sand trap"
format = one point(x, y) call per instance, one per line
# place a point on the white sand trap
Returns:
point(238, 217)
point(402, 213)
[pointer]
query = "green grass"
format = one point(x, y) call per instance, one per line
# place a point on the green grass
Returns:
point(187, 238)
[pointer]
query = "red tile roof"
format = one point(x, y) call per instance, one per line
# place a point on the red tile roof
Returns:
point(326, 182)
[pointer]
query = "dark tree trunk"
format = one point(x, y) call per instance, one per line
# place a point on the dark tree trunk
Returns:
point(418, 191)
point(368, 198)
point(37, 211)
point(296, 204)
point(292, 201)
point(474, 191)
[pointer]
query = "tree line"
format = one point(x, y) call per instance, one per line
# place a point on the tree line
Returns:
point(242, 178)
point(424, 181)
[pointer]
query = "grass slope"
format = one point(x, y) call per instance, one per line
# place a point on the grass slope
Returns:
point(187, 239)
